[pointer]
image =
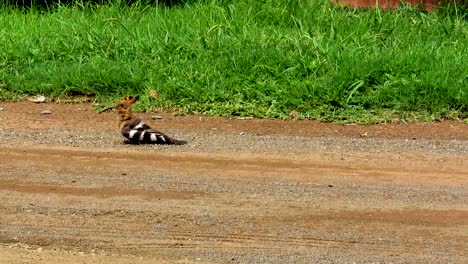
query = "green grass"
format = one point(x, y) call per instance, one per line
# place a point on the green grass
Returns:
point(270, 59)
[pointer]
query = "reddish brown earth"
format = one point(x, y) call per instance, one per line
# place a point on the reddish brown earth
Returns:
point(82, 116)
point(242, 191)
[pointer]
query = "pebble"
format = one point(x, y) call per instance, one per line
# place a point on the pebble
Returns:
point(1, 108)
point(46, 112)
point(156, 117)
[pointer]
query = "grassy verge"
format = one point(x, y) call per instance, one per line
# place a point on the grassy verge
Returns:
point(274, 58)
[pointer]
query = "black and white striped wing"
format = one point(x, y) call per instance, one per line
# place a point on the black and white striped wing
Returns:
point(148, 136)
point(138, 132)
point(139, 124)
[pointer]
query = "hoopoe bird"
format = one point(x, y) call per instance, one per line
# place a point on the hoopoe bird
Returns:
point(135, 130)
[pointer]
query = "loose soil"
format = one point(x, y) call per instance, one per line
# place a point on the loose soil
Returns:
point(241, 191)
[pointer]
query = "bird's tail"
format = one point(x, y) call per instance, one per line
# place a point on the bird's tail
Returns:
point(178, 142)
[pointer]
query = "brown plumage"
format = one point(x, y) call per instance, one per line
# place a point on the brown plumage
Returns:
point(135, 130)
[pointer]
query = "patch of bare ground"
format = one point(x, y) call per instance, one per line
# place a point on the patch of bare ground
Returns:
point(242, 191)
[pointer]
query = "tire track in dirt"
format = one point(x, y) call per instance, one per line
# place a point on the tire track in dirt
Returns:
point(364, 167)
point(99, 192)
point(136, 238)
point(87, 201)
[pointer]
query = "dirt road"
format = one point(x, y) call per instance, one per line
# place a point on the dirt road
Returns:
point(242, 191)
